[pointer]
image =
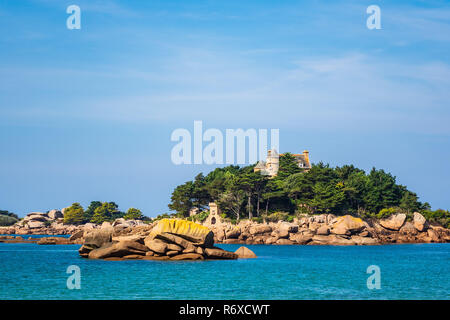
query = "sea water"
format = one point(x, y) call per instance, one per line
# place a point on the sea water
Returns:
point(407, 271)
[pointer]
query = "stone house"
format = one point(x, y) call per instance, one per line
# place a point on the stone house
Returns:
point(271, 166)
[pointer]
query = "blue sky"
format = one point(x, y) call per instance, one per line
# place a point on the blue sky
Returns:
point(87, 114)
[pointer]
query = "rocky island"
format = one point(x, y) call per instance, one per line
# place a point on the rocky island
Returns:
point(169, 239)
point(286, 200)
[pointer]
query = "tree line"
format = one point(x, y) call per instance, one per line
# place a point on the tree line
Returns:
point(241, 192)
point(99, 212)
point(7, 218)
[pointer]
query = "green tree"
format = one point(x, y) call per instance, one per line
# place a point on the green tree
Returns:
point(74, 214)
point(354, 190)
point(409, 201)
point(200, 196)
point(328, 198)
point(101, 214)
point(231, 200)
point(9, 214)
point(89, 212)
point(108, 211)
point(381, 191)
point(7, 218)
point(287, 166)
point(273, 192)
point(248, 181)
point(133, 214)
point(182, 198)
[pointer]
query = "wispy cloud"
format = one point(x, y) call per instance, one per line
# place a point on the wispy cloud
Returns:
point(351, 91)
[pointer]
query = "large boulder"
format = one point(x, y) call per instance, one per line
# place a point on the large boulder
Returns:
point(394, 222)
point(301, 238)
point(132, 237)
point(420, 223)
point(433, 235)
point(118, 221)
point(245, 253)
point(171, 238)
point(34, 224)
point(286, 227)
point(94, 239)
point(97, 237)
point(156, 245)
point(77, 235)
point(191, 231)
point(323, 230)
point(118, 249)
point(260, 229)
point(126, 223)
point(55, 214)
point(408, 229)
point(347, 225)
point(106, 225)
point(36, 216)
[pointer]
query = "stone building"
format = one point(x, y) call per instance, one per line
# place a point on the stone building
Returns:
point(214, 217)
point(271, 166)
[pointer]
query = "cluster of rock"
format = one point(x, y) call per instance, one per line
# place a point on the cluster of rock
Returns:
point(311, 230)
point(331, 230)
point(44, 240)
point(50, 223)
point(169, 239)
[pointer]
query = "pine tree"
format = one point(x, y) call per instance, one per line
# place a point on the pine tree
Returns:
point(74, 214)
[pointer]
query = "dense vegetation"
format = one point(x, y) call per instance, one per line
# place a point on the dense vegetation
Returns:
point(240, 192)
point(99, 212)
point(7, 218)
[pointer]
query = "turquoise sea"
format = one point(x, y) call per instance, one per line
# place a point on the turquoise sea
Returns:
point(418, 271)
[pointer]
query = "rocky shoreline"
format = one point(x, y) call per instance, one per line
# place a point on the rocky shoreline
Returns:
point(331, 230)
point(309, 230)
point(169, 239)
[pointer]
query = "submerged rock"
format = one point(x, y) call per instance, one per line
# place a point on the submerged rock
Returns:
point(217, 253)
point(54, 240)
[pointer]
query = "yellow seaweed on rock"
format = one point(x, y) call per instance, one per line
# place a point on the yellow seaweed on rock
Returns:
point(354, 219)
point(187, 229)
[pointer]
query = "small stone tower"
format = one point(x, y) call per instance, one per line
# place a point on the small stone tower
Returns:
point(270, 166)
point(214, 215)
point(272, 162)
